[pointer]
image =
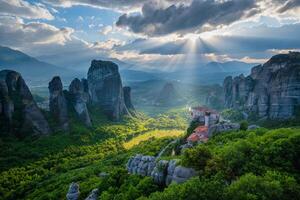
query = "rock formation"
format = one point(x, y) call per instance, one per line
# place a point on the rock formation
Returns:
point(79, 99)
point(93, 195)
point(221, 127)
point(127, 97)
point(58, 103)
point(163, 172)
point(73, 193)
point(19, 112)
point(106, 88)
point(272, 90)
point(127, 100)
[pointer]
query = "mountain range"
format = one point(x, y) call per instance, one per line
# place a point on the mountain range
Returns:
point(37, 72)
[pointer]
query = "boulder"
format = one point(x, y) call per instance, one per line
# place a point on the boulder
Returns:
point(170, 171)
point(73, 193)
point(58, 104)
point(19, 112)
point(182, 174)
point(141, 165)
point(160, 172)
point(270, 91)
point(105, 86)
point(79, 101)
point(93, 195)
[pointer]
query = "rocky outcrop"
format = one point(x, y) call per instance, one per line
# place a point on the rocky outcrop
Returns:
point(73, 192)
point(142, 165)
point(19, 112)
point(106, 88)
point(93, 195)
point(222, 127)
point(163, 172)
point(79, 99)
point(160, 172)
point(58, 104)
point(272, 90)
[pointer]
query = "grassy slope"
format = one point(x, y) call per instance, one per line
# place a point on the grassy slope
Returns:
point(43, 168)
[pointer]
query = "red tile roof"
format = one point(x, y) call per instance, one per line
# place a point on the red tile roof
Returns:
point(200, 134)
point(204, 109)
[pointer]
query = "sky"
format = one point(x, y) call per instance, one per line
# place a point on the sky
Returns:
point(150, 34)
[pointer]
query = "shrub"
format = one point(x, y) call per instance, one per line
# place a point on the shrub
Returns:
point(196, 157)
point(244, 125)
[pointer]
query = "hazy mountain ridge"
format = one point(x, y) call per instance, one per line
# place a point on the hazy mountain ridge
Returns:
point(34, 71)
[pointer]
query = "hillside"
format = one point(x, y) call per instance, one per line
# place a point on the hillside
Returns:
point(34, 71)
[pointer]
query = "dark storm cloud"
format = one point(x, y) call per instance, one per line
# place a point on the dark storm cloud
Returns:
point(291, 4)
point(180, 18)
point(254, 39)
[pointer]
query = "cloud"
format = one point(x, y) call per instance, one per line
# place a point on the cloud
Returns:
point(119, 5)
point(106, 30)
point(107, 45)
point(243, 42)
point(14, 32)
point(199, 15)
point(290, 4)
point(24, 9)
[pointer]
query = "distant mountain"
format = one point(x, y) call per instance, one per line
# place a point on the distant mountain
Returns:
point(129, 75)
point(35, 72)
point(211, 73)
point(168, 96)
point(231, 66)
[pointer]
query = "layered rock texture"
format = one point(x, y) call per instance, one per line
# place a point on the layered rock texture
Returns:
point(106, 90)
point(58, 104)
point(163, 172)
point(79, 99)
point(272, 90)
point(18, 111)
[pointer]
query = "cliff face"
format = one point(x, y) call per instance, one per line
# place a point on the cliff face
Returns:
point(127, 98)
point(271, 90)
point(106, 90)
point(19, 112)
point(79, 99)
point(58, 104)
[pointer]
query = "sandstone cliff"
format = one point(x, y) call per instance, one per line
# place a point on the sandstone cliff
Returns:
point(272, 90)
point(58, 104)
point(19, 113)
point(106, 90)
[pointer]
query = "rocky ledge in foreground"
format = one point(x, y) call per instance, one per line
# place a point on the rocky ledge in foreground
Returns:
point(19, 112)
point(163, 172)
